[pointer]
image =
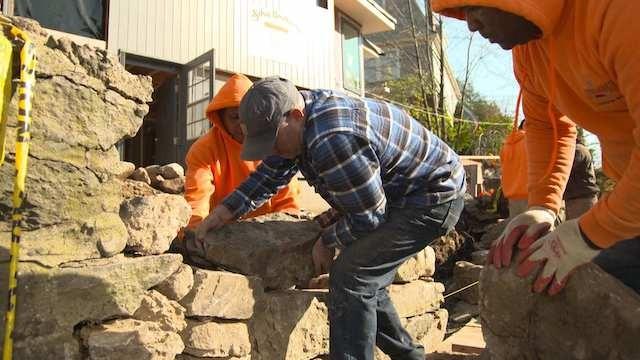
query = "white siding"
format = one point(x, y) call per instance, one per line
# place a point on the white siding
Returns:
point(179, 31)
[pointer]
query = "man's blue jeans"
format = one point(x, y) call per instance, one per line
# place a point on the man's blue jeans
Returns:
point(361, 314)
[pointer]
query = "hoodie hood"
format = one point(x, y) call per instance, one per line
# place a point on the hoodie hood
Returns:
point(229, 96)
point(543, 13)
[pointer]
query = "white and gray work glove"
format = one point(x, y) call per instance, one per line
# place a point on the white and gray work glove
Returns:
point(561, 252)
point(527, 227)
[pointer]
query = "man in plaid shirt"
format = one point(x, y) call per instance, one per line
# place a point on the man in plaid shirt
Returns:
point(393, 186)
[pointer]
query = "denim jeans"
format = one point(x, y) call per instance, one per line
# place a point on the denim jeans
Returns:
point(622, 261)
point(361, 314)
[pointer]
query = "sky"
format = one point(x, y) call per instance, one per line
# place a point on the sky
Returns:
point(491, 70)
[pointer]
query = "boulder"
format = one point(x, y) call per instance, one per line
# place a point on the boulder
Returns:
point(154, 221)
point(169, 315)
point(275, 247)
point(178, 285)
point(219, 340)
point(172, 171)
point(131, 339)
point(291, 325)
point(53, 301)
point(593, 317)
point(172, 186)
point(422, 264)
point(416, 298)
point(222, 295)
point(464, 274)
point(141, 174)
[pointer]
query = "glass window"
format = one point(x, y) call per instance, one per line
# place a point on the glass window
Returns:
point(81, 17)
point(351, 57)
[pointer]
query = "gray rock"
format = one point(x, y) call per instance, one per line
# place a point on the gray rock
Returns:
point(464, 274)
point(154, 221)
point(178, 285)
point(53, 301)
point(172, 171)
point(169, 315)
point(153, 170)
point(594, 317)
point(131, 339)
point(173, 186)
point(218, 340)
point(222, 295)
point(140, 174)
point(278, 245)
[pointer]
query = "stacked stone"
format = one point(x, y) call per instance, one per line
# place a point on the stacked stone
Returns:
point(283, 319)
point(81, 291)
point(168, 178)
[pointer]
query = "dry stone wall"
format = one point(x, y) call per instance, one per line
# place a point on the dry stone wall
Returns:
point(95, 278)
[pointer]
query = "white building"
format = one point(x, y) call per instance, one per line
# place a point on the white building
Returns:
point(314, 43)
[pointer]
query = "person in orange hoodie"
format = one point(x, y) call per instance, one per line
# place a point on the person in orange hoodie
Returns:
point(573, 59)
point(214, 167)
point(513, 160)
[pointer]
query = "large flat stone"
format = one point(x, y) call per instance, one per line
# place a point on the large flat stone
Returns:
point(465, 274)
point(594, 317)
point(217, 339)
point(416, 298)
point(278, 246)
point(52, 301)
point(131, 339)
point(222, 295)
point(291, 325)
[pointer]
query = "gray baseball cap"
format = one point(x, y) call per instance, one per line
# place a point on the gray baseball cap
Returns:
point(262, 110)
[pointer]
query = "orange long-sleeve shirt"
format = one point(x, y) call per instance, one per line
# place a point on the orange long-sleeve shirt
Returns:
point(587, 67)
point(214, 167)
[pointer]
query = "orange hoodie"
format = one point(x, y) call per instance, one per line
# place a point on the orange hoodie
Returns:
point(214, 167)
point(586, 67)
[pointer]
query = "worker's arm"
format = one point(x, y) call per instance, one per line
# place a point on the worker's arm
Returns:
point(273, 174)
point(545, 187)
point(615, 217)
point(350, 172)
point(199, 185)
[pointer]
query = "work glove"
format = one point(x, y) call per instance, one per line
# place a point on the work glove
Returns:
point(561, 252)
point(528, 226)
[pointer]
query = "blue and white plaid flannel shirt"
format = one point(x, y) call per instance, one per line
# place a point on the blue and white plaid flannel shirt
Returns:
point(362, 156)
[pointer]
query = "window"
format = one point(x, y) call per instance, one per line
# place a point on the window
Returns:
point(351, 57)
point(80, 17)
point(384, 68)
point(198, 99)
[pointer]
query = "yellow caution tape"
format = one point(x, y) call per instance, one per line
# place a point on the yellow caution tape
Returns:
point(25, 94)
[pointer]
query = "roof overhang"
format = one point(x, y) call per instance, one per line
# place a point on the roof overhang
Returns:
point(371, 16)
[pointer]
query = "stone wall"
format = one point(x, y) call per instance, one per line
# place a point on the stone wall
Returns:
point(95, 278)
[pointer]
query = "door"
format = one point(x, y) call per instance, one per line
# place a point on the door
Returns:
point(196, 90)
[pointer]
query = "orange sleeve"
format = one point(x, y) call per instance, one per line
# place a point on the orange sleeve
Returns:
point(199, 185)
point(616, 217)
point(545, 188)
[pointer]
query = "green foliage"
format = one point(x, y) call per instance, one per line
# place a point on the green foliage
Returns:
point(466, 138)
